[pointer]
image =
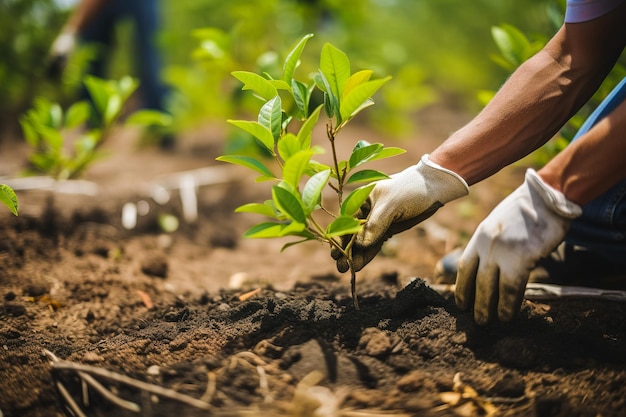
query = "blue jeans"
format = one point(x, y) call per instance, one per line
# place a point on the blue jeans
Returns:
point(602, 226)
point(145, 19)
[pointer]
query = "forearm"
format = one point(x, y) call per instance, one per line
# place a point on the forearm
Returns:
point(84, 13)
point(526, 112)
point(537, 100)
point(593, 163)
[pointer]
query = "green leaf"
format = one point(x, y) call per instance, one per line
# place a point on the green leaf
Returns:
point(273, 229)
point(387, 153)
point(306, 130)
point(124, 87)
point(512, 43)
point(288, 146)
point(259, 85)
point(290, 244)
point(113, 109)
point(331, 100)
point(265, 230)
point(302, 96)
point(271, 117)
point(359, 98)
point(257, 208)
point(280, 85)
point(288, 203)
point(52, 137)
point(343, 225)
point(98, 92)
point(293, 58)
point(367, 175)
point(315, 167)
point(362, 154)
point(249, 162)
point(312, 191)
point(355, 80)
point(355, 199)
point(295, 166)
point(257, 130)
point(77, 114)
point(335, 66)
point(149, 117)
point(8, 198)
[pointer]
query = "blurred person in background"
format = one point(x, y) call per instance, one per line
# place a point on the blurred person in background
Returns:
point(565, 217)
point(94, 22)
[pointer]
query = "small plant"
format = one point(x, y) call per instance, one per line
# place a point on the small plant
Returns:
point(8, 198)
point(45, 124)
point(284, 129)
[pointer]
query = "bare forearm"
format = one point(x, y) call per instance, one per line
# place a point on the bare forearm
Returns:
point(84, 13)
point(537, 99)
point(593, 163)
point(527, 111)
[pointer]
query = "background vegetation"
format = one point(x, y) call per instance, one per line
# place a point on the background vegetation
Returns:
point(434, 49)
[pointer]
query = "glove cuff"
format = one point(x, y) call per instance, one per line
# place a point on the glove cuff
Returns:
point(553, 198)
point(446, 185)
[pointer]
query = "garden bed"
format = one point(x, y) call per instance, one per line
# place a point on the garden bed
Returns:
point(104, 320)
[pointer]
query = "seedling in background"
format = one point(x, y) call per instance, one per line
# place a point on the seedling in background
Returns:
point(284, 129)
point(46, 123)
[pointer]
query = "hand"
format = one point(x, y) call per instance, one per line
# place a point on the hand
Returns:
point(397, 204)
point(60, 51)
point(525, 227)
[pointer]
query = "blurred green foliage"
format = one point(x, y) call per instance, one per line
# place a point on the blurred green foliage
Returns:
point(26, 31)
point(436, 50)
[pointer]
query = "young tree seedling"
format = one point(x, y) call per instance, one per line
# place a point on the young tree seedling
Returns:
point(284, 129)
point(44, 126)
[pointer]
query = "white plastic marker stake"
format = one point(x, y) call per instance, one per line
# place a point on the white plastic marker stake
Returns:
point(189, 198)
point(129, 216)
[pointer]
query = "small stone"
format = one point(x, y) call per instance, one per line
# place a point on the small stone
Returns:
point(14, 309)
point(155, 265)
point(154, 370)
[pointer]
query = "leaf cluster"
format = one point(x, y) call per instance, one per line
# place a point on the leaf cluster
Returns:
point(46, 122)
point(284, 128)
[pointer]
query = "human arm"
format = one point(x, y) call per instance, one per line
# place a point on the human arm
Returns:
point(534, 219)
point(535, 102)
point(65, 42)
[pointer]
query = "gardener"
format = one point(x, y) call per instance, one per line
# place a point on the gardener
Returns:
point(578, 199)
point(94, 22)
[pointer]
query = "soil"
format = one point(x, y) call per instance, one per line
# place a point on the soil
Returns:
point(99, 320)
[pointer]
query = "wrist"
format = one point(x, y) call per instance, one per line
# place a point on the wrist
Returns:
point(445, 185)
point(552, 196)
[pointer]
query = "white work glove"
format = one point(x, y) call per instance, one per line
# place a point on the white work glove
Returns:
point(60, 51)
point(525, 227)
point(399, 203)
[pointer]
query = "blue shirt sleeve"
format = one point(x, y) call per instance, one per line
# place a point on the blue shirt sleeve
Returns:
point(583, 10)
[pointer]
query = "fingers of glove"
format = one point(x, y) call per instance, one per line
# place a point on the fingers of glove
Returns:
point(487, 292)
point(511, 295)
point(466, 279)
point(342, 264)
point(361, 256)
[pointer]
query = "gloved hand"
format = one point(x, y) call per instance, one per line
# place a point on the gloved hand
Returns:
point(399, 203)
point(525, 227)
point(60, 51)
